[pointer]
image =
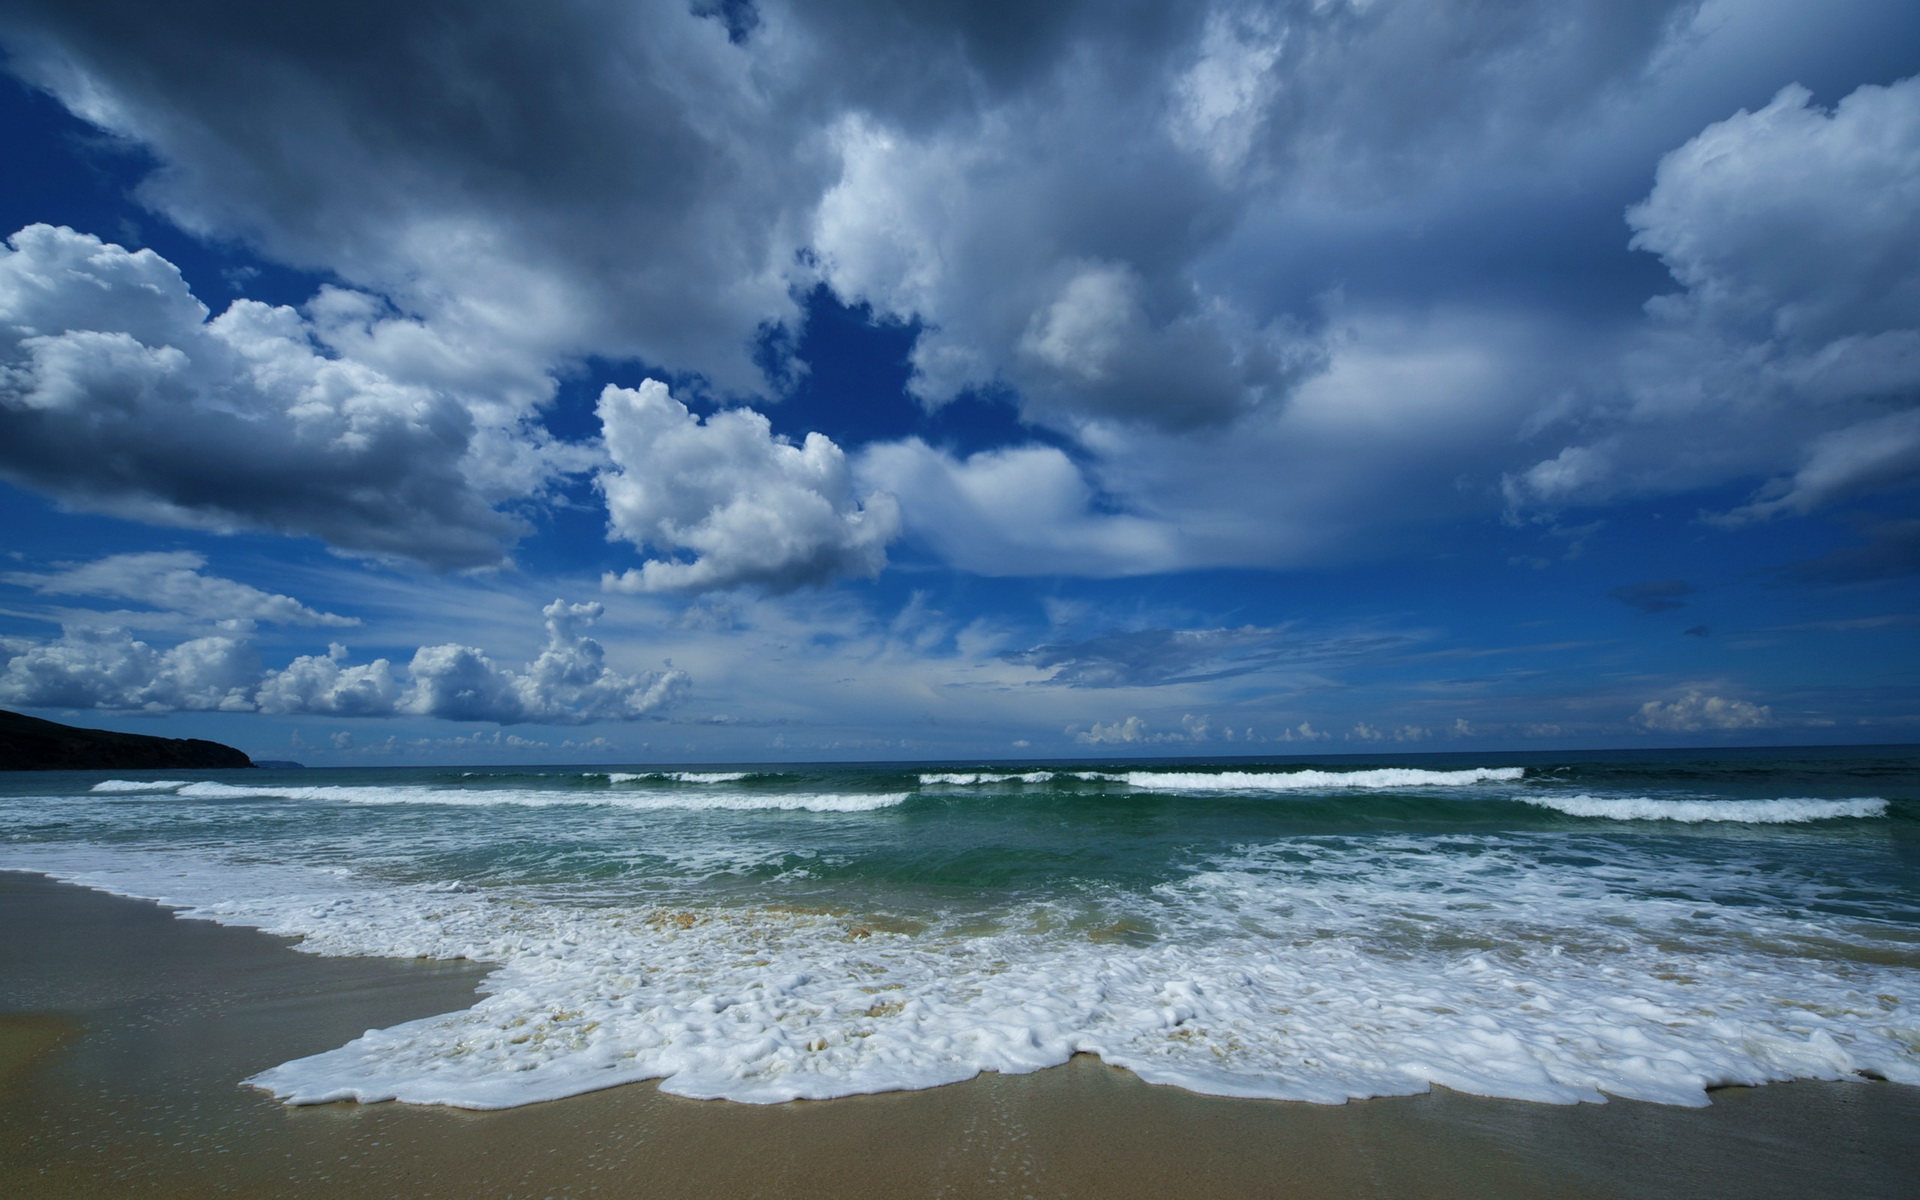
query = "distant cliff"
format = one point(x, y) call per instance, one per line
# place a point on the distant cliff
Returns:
point(30, 744)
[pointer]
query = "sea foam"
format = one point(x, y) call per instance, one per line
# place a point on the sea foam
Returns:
point(1319, 970)
point(765, 1006)
point(111, 786)
point(1559, 967)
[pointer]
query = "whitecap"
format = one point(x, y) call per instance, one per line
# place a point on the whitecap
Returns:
point(488, 797)
point(134, 785)
point(1757, 812)
point(679, 776)
point(1381, 778)
point(968, 780)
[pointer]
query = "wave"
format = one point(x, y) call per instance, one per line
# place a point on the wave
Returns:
point(114, 786)
point(1756, 812)
point(1378, 779)
point(484, 798)
point(1501, 964)
point(678, 776)
point(966, 780)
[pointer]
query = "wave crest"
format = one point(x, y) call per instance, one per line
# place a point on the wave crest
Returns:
point(1754, 812)
point(1378, 779)
point(477, 798)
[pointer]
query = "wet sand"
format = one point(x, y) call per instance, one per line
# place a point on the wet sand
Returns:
point(124, 1032)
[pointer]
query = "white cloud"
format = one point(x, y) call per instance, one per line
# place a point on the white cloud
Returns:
point(1795, 346)
point(118, 394)
point(1406, 405)
point(1877, 454)
point(750, 507)
point(1304, 732)
point(1135, 730)
point(568, 684)
point(321, 684)
point(1695, 712)
point(106, 668)
point(1794, 220)
point(1026, 510)
point(533, 187)
point(1223, 97)
point(1283, 276)
point(172, 580)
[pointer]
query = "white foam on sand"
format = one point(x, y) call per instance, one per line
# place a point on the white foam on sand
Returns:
point(1758, 812)
point(1378, 779)
point(1308, 969)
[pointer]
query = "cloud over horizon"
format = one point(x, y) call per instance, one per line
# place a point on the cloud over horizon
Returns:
point(569, 683)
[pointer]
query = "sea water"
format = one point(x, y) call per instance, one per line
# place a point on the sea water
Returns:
point(1547, 928)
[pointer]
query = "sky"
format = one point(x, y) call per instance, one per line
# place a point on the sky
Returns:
point(745, 380)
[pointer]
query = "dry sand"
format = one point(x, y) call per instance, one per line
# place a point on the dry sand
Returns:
point(124, 1032)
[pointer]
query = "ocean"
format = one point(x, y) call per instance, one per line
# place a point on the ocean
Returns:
point(1547, 927)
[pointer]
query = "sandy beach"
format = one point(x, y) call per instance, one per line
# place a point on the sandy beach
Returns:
point(124, 1032)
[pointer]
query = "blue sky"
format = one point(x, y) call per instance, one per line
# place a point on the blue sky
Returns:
point(606, 382)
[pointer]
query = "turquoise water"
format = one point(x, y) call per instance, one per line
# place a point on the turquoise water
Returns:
point(1551, 928)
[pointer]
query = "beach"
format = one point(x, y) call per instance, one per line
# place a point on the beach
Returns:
point(125, 1031)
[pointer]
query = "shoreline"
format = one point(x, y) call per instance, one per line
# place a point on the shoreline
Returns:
point(126, 1031)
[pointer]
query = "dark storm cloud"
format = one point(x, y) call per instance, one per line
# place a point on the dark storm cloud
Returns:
point(1889, 549)
point(1655, 595)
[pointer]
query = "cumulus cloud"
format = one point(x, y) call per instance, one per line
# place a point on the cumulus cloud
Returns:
point(119, 393)
point(540, 183)
point(1794, 348)
point(1017, 511)
point(323, 684)
point(173, 580)
point(1696, 712)
point(107, 668)
point(1133, 730)
point(1263, 144)
point(1282, 278)
point(749, 507)
point(1404, 405)
point(569, 683)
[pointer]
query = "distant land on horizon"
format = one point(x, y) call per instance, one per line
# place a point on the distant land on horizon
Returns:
point(31, 744)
